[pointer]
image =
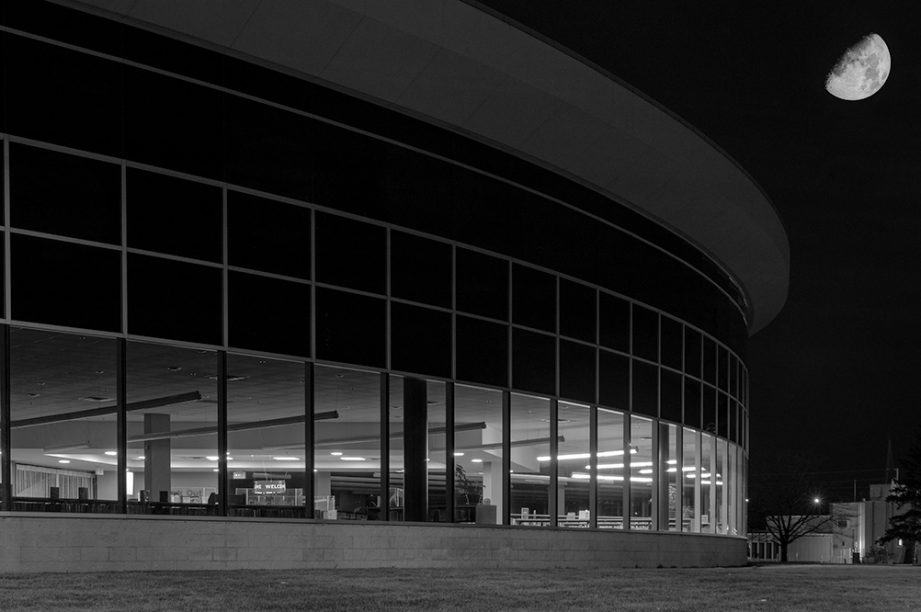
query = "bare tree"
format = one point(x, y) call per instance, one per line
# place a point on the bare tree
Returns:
point(784, 499)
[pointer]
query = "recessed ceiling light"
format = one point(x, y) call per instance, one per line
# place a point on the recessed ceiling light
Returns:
point(336, 453)
point(458, 454)
point(111, 453)
point(285, 458)
point(211, 457)
point(352, 458)
point(215, 470)
point(63, 460)
point(476, 460)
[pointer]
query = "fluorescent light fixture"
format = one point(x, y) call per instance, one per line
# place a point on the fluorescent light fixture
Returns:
point(63, 460)
point(215, 470)
point(355, 459)
point(140, 458)
point(646, 471)
point(285, 458)
point(672, 461)
point(212, 457)
point(613, 453)
point(336, 453)
point(607, 466)
point(476, 461)
point(111, 453)
point(458, 454)
point(583, 476)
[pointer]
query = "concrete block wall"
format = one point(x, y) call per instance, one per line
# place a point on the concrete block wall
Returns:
point(71, 543)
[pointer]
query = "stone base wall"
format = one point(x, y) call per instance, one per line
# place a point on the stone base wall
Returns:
point(80, 543)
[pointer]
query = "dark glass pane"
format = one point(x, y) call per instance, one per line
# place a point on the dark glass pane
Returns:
point(614, 319)
point(722, 415)
point(350, 328)
point(671, 332)
point(482, 284)
point(267, 314)
point(173, 299)
point(692, 399)
point(173, 124)
point(577, 371)
point(645, 333)
point(350, 253)
point(645, 388)
point(722, 368)
point(709, 361)
point(2, 271)
point(533, 298)
point(66, 284)
point(533, 362)
point(577, 311)
point(268, 235)
point(420, 340)
point(734, 376)
point(175, 216)
point(420, 269)
point(64, 194)
point(614, 382)
point(482, 351)
point(692, 352)
point(709, 409)
point(61, 96)
point(734, 419)
point(670, 402)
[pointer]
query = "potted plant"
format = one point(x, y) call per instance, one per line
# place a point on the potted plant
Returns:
point(464, 488)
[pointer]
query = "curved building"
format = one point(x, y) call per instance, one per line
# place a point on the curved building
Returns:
point(392, 283)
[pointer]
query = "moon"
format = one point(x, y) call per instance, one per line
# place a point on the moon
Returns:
point(861, 71)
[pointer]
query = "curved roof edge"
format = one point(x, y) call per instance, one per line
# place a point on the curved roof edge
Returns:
point(459, 65)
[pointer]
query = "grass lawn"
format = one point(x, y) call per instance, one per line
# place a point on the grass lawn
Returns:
point(792, 587)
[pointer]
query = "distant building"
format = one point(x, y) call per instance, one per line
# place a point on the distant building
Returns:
point(850, 536)
point(364, 272)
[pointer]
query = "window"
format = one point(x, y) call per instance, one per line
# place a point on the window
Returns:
point(533, 298)
point(268, 314)
point(611, 451)
point(351, 254)
point(577, 371)
point(420, 269)
point(530, 422)
point(66, 284)
point(350, 328)
point(64, 194)
point(174, 216)
point(645, 333)
point(482, 284)
point(420, 340)
point(482, 351)
point(577, 311)
point(614, 382)
point(533, 362)
point(672, 349)
point(671, 386)
point(692, 352)
point(615, 323)
point(645, 388)
point(478, 455)
point(174, 299)
point(267, 235)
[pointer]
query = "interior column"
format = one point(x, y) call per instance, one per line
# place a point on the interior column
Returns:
point(415, 449)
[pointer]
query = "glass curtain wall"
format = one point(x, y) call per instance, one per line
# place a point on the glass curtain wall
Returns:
point(478, 475)
point(530, 461)
point(669, 483)
point(719, 480)
point(63, 421)
point(611, 450)
point(265, 438)
point(347, 450)
point(172, 428)
point(707, 496)
point(572, 487)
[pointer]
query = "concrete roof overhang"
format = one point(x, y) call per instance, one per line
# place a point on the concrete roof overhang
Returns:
point(453, 64)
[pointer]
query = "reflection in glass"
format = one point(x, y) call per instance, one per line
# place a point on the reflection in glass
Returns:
point(347, 450)
point(530, 461)
point(265, 438)
point(573, 482)
point(478, 476)
point(64, 458)
point(610, 469)
point(172, 427)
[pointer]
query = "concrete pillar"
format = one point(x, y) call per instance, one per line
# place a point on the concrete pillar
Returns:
point(415, 449)
point(156, 456)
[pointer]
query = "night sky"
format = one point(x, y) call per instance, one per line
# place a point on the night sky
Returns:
point(836, 374)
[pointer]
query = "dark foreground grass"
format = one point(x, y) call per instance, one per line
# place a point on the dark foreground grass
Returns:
point(796, 587)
